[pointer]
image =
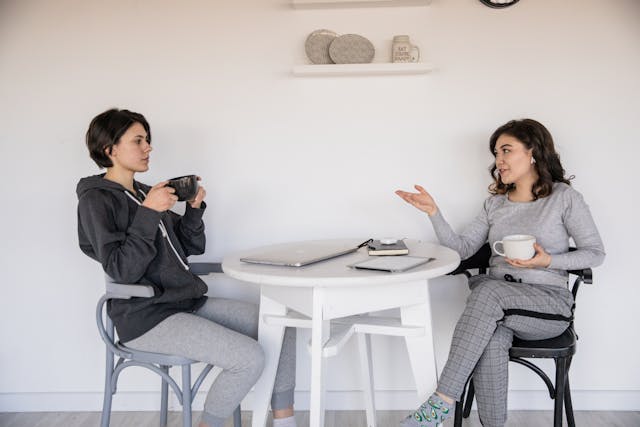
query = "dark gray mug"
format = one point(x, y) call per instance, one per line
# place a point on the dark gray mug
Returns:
point(186, 187)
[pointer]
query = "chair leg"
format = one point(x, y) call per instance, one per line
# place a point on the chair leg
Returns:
point(463, 406)
point(568, 405)
point(237, 419)
point(457, 419)
point(106, 402)
point(561, 375)
point(469, 400)
point(186, 395)
point(164, 398)
point(108, 378)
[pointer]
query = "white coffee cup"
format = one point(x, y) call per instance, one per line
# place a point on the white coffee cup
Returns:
point(516, 246)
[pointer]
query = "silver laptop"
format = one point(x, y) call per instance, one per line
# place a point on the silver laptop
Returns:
point(304, 254)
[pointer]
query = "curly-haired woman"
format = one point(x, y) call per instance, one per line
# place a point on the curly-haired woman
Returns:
point(530, 195)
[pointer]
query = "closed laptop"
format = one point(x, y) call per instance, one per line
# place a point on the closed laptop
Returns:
point(299, 255)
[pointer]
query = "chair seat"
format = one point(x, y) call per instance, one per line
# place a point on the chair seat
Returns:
point(561, 346)
point(156, 358)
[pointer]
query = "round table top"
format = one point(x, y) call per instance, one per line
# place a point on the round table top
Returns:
point(336, 271)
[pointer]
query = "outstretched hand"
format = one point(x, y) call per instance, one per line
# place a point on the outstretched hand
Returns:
point(540, 259)
point(420, 200)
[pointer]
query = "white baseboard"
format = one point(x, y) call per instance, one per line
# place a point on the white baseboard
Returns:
point(593, 400)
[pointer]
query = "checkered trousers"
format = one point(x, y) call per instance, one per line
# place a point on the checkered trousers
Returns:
point(483, 336)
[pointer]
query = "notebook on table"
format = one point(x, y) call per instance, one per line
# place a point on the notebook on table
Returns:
point(302, 254)
point(376, 247)
point(394, 264)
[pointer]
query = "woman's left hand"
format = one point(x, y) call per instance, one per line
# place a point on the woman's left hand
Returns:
point(200, 195)
point(540, 259)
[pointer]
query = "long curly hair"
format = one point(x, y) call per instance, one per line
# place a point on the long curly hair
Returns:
point(534, 136)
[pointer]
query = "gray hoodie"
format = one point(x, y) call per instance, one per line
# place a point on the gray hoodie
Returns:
point(138, 245)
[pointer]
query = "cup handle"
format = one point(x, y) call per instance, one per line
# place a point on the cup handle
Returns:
point(415, 48)
point(496, 249)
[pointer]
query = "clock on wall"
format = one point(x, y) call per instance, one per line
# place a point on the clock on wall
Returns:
point(499, 4)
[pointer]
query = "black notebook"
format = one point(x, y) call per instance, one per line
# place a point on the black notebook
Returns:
point(397, 248)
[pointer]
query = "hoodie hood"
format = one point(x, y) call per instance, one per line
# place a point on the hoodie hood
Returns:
point(97, 182)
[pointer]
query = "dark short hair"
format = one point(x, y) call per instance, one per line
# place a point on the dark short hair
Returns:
point(536, 137)
point(106, 129)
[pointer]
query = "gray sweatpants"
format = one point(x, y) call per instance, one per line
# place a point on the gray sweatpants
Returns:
point(223, 333)
point(483, 336)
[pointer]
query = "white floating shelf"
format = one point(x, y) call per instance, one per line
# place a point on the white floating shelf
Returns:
point(374, 69)
point(299, 4)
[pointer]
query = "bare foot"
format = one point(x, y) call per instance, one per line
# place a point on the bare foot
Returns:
point(446, 398)
point(283, 413)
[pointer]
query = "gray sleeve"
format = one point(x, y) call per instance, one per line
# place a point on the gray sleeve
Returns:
point(581, 227)
point(471, 239)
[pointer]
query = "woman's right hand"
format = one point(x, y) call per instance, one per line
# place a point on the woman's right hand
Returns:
point(160, 197)
point(421, 200)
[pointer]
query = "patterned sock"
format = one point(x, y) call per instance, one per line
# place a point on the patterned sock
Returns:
point(284, 422)
point(430, 414)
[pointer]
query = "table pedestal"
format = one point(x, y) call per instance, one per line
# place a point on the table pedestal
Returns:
point(329, 312)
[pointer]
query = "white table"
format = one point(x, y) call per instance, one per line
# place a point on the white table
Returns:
point(328, 295)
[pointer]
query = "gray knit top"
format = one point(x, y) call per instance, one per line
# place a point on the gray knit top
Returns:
point(552, 220)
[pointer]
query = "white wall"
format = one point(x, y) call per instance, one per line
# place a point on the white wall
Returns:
point(287, 158)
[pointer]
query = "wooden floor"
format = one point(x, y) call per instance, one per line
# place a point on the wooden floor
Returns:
point(332, 419)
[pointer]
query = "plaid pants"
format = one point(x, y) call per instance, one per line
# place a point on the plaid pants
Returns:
point(483, 336)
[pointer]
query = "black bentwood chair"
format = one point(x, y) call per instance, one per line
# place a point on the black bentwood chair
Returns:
point(561, 348)
point(156, 362)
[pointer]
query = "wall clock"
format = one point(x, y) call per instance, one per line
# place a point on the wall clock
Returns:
point(499, 4)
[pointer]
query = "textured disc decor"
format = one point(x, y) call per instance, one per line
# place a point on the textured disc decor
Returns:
point(317, 46)
point(351, 49)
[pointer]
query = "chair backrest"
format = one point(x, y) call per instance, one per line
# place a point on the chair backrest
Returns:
point(105, 327)
point(116, 290)
point(105, 324)
point(480, 261)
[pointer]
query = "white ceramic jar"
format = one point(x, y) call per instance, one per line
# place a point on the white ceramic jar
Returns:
point(403, 51)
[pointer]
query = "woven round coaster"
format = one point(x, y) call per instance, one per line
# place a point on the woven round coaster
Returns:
point(317, 46)
point(351, 49)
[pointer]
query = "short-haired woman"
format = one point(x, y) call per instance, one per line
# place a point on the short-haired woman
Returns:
point(128, 227)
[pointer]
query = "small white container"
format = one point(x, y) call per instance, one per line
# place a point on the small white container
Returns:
point(403, 50)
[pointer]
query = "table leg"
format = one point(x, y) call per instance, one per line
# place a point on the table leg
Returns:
point(364, 345)
point(270, 338)
point(420, 349)
point(320, 330)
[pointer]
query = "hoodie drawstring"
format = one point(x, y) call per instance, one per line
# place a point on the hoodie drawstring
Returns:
point(163, 229)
